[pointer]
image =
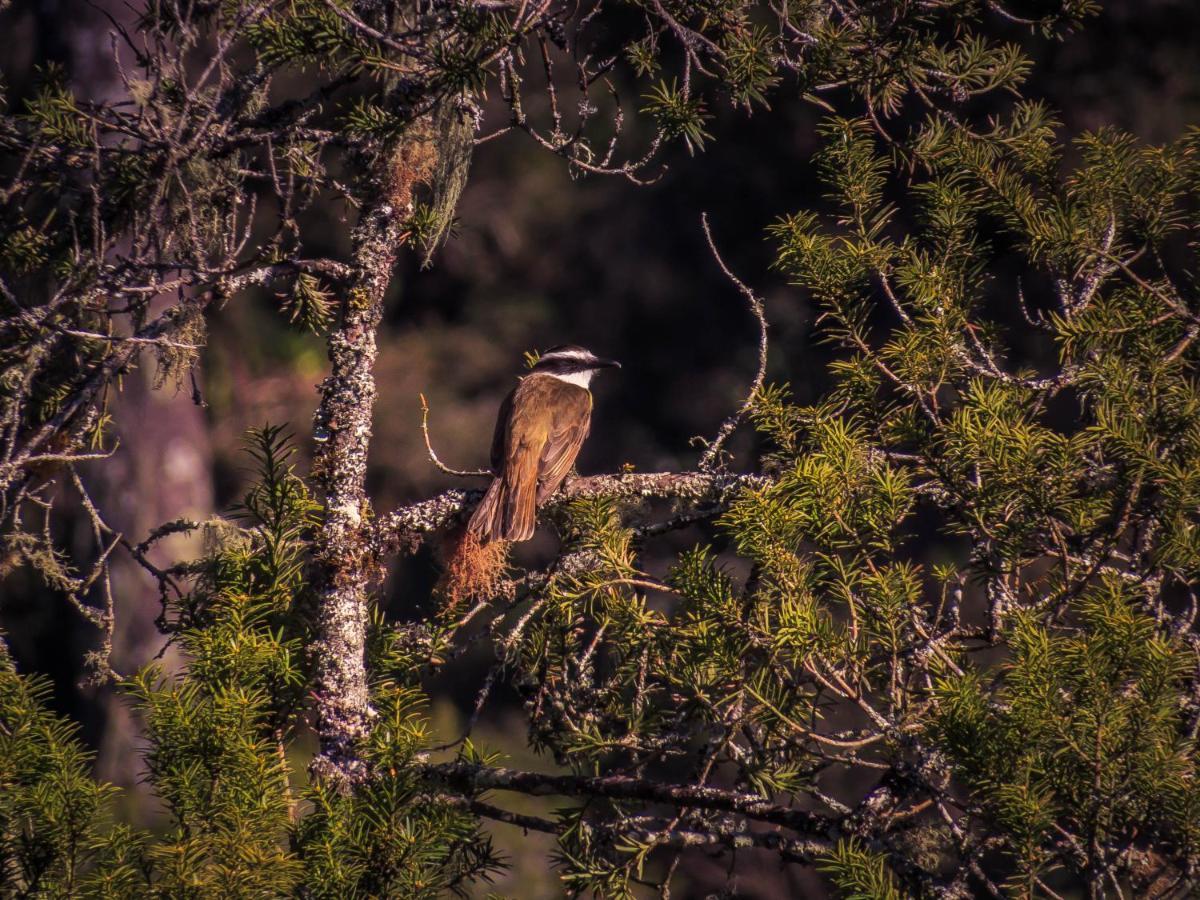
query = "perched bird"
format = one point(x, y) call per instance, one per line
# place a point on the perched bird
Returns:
point(539, 431)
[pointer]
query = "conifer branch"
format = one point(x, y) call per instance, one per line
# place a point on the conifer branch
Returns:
point(475, 778)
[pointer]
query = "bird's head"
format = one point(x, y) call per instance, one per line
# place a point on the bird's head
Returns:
point(573, 364)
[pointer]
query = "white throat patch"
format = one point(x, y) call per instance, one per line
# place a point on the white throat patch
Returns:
point(580, 379)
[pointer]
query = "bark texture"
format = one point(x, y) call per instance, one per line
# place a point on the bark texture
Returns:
point(342, 435)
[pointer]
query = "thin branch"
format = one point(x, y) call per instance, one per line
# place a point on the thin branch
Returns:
point(712, 453)
point(623, 787)
point(433, 457)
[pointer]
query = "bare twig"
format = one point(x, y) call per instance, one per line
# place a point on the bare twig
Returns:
point(433, 457)
point(712, 453)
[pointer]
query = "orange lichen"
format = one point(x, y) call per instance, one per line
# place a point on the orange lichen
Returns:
point(413, 163)
point(471, 570)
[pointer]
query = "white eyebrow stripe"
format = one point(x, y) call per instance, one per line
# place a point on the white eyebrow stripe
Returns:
point(580, 355)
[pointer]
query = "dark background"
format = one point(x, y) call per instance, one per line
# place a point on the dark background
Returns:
point(538, 259)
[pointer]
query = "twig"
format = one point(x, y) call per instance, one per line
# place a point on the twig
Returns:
point(712, 453)
point(433, 457)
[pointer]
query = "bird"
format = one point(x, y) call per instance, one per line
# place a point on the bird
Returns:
point(539, 430)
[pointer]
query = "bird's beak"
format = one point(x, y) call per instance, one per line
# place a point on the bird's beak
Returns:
point(606, 363)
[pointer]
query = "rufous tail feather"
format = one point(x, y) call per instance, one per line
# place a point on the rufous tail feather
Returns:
point(520, 498)
point(487, 522)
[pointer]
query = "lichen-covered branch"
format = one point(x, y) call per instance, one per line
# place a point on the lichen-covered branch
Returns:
point(408, 526)
point(342, 432)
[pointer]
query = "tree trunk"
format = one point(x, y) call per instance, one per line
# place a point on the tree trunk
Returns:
point(342, 435)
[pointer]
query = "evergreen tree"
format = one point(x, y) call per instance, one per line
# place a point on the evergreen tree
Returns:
point(1018, 718)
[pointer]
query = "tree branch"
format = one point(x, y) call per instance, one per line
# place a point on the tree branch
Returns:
point(476, 778)
point(433, 457)
point(712, 453)
point(407, 527)
point(342, 432)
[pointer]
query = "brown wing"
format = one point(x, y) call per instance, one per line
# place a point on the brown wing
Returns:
point(508, 511)
point(520, 497)
point(488, 521)
point(529, 427)
point(568, 431)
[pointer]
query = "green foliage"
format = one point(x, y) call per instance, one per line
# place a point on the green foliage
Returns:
point(860, 874)
point(24, 250)
point(54, 114)
point(371, 120)
point(49, 803)
point(392, 837)
point(678, 113)
point(1083, 734)
point(308, 32)
point(643, 56)
point(224, 781)
point(221, 739)
point(1078, 742)
point(423, 224)
point(309, 305)
point(750, 66)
